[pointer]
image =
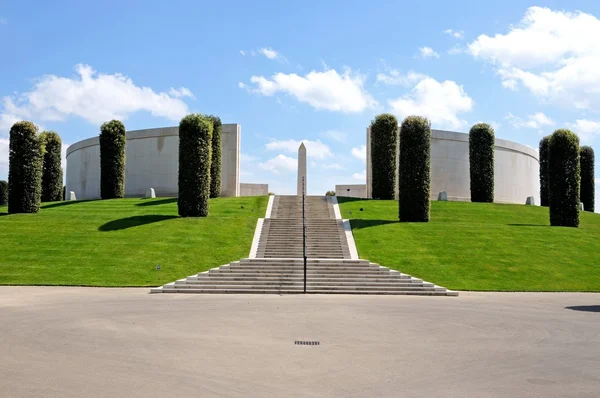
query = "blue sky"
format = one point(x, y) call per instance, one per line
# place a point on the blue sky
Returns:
point(313, 70)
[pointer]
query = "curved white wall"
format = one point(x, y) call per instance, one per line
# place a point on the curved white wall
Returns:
point(516, 168)
point(151, 161)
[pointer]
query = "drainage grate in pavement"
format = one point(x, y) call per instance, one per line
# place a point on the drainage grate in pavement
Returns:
point(306, 342)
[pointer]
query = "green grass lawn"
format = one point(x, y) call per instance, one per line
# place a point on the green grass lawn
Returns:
point(480, 246)
point(120, 242)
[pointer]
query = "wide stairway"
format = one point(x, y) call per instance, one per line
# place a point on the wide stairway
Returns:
point(277, 266)
point(281, 235)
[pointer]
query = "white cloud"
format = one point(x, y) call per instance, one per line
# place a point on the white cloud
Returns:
point(395, 77)
point(272, 54)
point(242, 53)
point(63, 157)
point(333, 166)
point(456, 49)
point(269, 53)
point(91, 96)
point(4, 142)
point(585, 129)
point(441, 103)
point(455, 33)
point(3, 21)
point(181, 92)
point(314, 149)
point(550, 53)
point(335, 135)
point(280, 164)
point(362, 176)
point(7, 121)
point(360, 153)
point(533, 121)
point(428, 52)
point(495, 125)
point(322, 90)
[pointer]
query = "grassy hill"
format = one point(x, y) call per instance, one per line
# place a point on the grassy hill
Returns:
point(480, 246)
point(120, 242)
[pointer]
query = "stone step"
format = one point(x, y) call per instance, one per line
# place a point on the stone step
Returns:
point(309, 282)
point(298, 285)
point(299, 291)
point(301, 261)
point(300, 271)
point(312, 278)
point(312, 266)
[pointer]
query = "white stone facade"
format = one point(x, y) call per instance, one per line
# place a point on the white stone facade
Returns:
point(151, 161)
point(254, 189)
point(516, 169)
point(351, 190)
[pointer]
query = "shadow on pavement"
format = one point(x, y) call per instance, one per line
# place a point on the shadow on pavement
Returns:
point(585, 308)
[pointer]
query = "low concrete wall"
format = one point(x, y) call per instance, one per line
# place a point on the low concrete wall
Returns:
point(254, 189)
point(351, 190)
point(151, 161)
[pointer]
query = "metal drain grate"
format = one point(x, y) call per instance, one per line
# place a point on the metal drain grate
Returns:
point(297, 342)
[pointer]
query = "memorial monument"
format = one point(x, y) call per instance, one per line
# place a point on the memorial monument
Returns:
point(516, 170)
point(301, 168)
point(152, 161)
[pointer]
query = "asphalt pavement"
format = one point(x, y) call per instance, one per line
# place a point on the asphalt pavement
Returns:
point(92, 342)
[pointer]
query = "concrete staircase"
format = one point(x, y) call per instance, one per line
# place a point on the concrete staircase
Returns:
point(281, 276)
point(281, 235)
point(278, 265)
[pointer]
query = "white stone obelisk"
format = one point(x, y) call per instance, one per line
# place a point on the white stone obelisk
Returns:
point(301, 168)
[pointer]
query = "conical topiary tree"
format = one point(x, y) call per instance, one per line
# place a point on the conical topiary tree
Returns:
point(587, 178)
point(51, 167)
point(215, 163)
point(195, 147)
point(384, 156)
point(481, 162)
point(544, 171)
point(112, 159)
point(414, 174)
point(564, 178)
point(24, 169)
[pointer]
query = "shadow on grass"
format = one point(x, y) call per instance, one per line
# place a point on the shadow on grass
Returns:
point(150, 202)
point(66, 203)
point(528, 225)
point(585, 308)
point(135, 221)
point(361, 224)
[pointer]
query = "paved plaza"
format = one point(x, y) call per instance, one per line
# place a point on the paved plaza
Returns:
point(90, 342)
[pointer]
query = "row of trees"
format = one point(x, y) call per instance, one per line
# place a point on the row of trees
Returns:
point(385, 150)
point(413, 173)
point(566, 177)
point(566, 170)
point(34, 171)
point(587, 182)
point(199, 176)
